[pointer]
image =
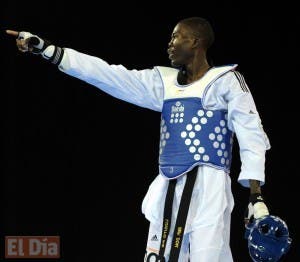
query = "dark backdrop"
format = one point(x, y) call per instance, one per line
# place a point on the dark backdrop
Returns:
point(77, 162)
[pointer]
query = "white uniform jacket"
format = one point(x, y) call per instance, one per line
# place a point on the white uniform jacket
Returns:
point(145, 88)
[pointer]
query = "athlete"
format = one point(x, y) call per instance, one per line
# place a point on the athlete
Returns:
point(202, 108)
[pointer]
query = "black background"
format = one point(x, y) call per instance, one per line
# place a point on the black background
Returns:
point(77, 162)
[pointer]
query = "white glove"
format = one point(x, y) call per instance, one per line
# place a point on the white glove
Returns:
point(27, 42)
point(256, 209)
point(31, 43)
point(37, 45)
point(260, 210)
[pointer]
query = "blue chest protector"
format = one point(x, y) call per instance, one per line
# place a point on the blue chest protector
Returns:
point(191, 135)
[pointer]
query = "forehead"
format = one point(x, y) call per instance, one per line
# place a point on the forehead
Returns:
point(181, 29)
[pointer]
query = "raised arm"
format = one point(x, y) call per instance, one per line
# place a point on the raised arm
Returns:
point(140, 87)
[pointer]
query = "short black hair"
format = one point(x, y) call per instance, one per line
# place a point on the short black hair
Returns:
point(202, 29)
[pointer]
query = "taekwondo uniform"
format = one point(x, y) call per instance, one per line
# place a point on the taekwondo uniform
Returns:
point(198, 124)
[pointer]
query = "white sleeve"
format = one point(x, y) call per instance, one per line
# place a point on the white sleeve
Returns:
point(234, 95)
point(140, 87)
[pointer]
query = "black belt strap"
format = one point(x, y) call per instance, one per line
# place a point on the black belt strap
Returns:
point(167, 218)
point(181, 216)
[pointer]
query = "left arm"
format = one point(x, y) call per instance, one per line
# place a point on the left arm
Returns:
point(257, 206)
point(243, 119)
point(245, 122)
point(254, 187)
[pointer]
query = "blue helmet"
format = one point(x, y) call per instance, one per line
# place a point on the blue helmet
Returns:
point(268, 239)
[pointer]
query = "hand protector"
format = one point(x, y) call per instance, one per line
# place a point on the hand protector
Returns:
point(32, 43)
point(256, 209)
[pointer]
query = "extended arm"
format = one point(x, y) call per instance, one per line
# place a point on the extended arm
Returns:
point(140, 87)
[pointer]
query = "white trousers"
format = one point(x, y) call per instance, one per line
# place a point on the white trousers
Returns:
point(206, 244)
point(207, 232)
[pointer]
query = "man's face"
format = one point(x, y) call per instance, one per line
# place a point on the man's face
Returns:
point(180, 48)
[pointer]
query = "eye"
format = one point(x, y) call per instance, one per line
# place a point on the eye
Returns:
point(174, 36)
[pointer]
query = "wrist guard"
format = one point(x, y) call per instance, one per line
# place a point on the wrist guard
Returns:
point(254, 198)
point(53, 54)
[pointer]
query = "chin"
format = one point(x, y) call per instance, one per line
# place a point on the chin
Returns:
point(176, 64)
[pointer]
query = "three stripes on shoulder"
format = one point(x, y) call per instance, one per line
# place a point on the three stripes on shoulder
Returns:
point(242, 81)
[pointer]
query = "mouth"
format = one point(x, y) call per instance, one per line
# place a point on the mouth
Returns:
point(171, 56)
point(171, 53)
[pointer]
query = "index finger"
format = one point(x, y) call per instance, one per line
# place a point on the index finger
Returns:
point(13, 33)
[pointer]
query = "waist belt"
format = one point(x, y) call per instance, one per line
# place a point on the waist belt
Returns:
point(181, 217)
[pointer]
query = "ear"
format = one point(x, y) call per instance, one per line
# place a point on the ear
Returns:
point(197, 42)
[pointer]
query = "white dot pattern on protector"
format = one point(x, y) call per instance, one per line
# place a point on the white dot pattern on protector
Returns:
point(217, 138)
point(164, 136)
point(188, 135)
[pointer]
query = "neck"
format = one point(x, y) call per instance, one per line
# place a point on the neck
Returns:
point(196, 68)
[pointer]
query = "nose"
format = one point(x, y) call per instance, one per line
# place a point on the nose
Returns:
point(170, 43)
